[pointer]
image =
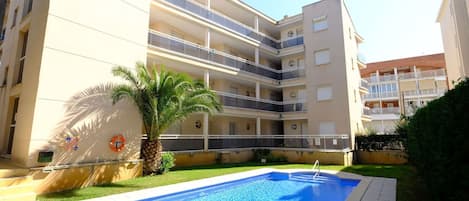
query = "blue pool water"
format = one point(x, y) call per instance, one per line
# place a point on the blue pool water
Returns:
point(273, 186)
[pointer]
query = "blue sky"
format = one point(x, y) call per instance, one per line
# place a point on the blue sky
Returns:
point(392, 28)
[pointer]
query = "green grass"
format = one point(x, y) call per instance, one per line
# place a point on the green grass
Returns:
point(407, 187)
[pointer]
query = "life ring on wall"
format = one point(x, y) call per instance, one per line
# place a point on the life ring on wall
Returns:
point(117, 143)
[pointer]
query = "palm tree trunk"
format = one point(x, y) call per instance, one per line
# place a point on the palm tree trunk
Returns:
point(151, 154)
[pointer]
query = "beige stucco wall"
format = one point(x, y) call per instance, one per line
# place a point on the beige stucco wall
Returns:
point(454, 23)
point(338, 73)
point(70, 53)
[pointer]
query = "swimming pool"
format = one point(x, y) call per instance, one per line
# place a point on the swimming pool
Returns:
point(294, 186)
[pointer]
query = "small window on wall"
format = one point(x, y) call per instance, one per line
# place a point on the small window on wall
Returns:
point(320, 23)
point(327, 127)
point(290, 34)
point(324, 93)
point(322, 57)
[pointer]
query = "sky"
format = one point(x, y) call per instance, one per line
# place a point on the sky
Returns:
point(392, 29)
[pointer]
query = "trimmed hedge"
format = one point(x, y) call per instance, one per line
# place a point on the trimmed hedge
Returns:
point(380, 142)
point(438, 144)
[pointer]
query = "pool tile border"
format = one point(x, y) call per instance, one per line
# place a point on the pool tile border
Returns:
point(356, 195)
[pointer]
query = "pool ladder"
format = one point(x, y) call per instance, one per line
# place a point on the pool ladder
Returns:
point(317, 168)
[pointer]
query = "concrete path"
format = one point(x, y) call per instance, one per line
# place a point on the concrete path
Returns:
point(380, 189)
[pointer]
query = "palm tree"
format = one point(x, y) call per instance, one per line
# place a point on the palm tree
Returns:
point(162, 98)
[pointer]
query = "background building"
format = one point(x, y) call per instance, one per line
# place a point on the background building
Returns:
point(398, 87)
point(292, 84)
point(454, 21)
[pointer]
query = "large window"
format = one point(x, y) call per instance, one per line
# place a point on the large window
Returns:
point(320, 23)
point(22, 58)
point(324, 93)
point(327, 127)
point(322, 57)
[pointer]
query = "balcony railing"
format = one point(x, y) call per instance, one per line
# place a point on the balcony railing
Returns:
point(385, 110)
point(364, 84)
point(233, 25)
point(424, 92)
point(366, 111)
point(235, 100)
point(190, 49)
point(293, 42)
point(176, 142)
point(382, 95)
point(422, 74)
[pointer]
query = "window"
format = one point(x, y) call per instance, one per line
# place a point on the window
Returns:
point(5, 76)
point(290, 34)
point(322, 57)
point(327, 127)
point(324, 93)
point(22, 58)
point(320, 24)
point(15, 14)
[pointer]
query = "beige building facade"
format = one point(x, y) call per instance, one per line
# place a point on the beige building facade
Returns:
point(454, 22)
point(292, 84)
point(399, 87)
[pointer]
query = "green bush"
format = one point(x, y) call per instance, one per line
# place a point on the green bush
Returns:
point(438, 144)
point(267, 154)
point(167, 162)
point(380, 142)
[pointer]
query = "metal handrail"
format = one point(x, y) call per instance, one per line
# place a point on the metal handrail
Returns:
point(316, 166)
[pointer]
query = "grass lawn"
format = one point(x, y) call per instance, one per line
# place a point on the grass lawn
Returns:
point(407, 182)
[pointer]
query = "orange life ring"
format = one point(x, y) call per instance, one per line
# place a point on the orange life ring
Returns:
point(117, 143)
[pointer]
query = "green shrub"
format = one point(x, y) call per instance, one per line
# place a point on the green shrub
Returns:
point(167, 162)
point(267, 154)
point(380, 142)
point(438, 144)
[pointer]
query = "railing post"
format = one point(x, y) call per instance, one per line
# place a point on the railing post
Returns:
point(258, 127)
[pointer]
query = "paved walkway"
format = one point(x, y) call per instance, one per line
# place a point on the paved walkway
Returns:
point(380, 189)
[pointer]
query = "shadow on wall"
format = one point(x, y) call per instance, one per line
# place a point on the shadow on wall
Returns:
point(83, 137)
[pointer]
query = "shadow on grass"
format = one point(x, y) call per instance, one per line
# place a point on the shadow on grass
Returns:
point(76, 192)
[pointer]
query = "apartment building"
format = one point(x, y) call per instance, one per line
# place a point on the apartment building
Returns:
point(454, 22)
point(399, 87)
point(291, 85)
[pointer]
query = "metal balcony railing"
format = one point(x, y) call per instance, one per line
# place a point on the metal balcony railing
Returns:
point(231, 24)
point(393, 94)
point(190, 49)
point(293, 42)
point(385, 110)
point(235, 100)
point(177, 142)
point(422, 74)
point(364, 84)
point(424, 92)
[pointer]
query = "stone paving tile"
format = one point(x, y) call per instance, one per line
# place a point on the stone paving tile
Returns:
point(381, 189)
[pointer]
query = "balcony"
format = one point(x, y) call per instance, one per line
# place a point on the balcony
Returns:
point(177, 142)
point(174, 44)
point(385, 110)
point(231, 24)
point(292, 42)
point(423, 74)
point(382, 95)
point(235, 100)
point(363, 86)
point(424, 93)
point(366, 114)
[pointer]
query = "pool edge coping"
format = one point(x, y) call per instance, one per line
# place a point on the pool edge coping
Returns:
point(356, 194)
